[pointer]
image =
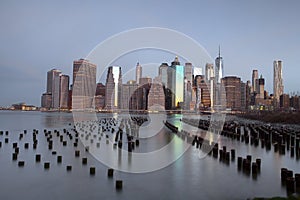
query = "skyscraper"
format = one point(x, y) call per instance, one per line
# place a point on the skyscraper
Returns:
point(113, 90)
point(156, 96)
point(202, 93)
point(233, 87)
point(261, 88)
point(209, 71)
point(210, 79)
point(84, 84)
point(188, 81)
point(277, 82)
point(53, 79)
point(254, 82)
point(129, 99)
point(57, 94)
point(138, 72)
point(219, 70)
point(176, 83)
point(163, 73)
point(64, 92)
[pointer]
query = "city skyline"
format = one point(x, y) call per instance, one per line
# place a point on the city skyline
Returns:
point(35, 40)
point(182, 85)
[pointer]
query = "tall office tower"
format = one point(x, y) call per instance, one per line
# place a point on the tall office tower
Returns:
point(53, 79)
point(156, 96)
point(232, 86)
point(261, 88)
point(277, 81)
point(163, 73)
point(248, 94)
point(84, 84)
point(254, 82)
point(64, 92)
point(219, 70)
point(210, 76)
point(143, 92)
point(243, 95)
point(50, 77)
point(110, 90)
point(202, 93)
point(209, 71)
point(176, 83)
point(138, 72)
point(113, 90)
point(128, 99)
point(188, 72)
point(188, 83)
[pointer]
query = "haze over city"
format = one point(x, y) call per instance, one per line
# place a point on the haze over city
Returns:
point(37, 37)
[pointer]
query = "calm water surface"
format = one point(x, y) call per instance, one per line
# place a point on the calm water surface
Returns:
point(187, 178)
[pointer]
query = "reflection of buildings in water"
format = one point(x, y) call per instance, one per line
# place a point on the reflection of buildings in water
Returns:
point(56, 119)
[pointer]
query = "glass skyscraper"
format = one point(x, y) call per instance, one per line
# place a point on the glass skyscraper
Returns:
point(219, 70)
point(176, 83)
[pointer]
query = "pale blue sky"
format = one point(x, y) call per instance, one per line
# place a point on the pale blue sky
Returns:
point(36, 36)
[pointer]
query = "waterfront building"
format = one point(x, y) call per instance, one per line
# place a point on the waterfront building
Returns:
point(129, 100)
point(84, 84)
point(210, 79)
point(53, 83)
point(176, 84)
point(232, 85)
point(188, 81)
point(100, 89)
point(64, 92)
point(202, 93)
point(284, 101)
point(156, 96)
point(46, 101)
point(277, 82)
point(113, 88)
point(142, 93)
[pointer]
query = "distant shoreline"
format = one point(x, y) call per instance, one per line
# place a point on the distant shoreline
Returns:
point(273, 117)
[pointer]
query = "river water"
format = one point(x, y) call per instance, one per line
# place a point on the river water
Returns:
point(189, 177)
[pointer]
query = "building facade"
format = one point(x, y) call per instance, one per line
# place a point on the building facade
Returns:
point(113, 88)
point(277, 82)
point(84, 85)
point(64, 92)
point(138, 72)
point(156, 96)
point(232, 85)
point(219, 70)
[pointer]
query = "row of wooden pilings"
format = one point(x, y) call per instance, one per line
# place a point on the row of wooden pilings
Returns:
point(282, 138)
point(289, 180)
point(59, 158)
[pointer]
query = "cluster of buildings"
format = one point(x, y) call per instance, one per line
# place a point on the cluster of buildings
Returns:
point(176, 87)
